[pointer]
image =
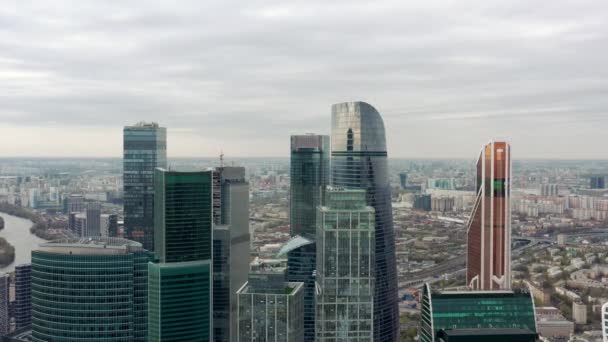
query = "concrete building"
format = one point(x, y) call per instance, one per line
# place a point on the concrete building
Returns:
point(552, 325)
point(231, 241)
point(579, 312)
point(270, 309)
point(562, 239)
point(93, 227)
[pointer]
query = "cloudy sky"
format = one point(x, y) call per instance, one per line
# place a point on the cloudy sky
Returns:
point(243, 75)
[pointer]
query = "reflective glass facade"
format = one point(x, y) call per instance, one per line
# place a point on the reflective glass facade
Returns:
point(89, 290)
point(359, 161)
point(180, 301)
point(309, 174)
point(489, 231)
point(345, 267)
point(144, 149)
point(23, 293)
point(270, 314)
point(485, 310)
point(183, 215)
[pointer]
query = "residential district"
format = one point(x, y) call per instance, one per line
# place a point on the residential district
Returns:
point(336, 243)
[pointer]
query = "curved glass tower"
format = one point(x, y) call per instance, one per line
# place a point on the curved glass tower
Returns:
point(89, 289)
point(359, 160)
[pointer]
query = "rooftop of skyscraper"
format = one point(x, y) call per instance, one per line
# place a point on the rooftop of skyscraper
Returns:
point(91, 246)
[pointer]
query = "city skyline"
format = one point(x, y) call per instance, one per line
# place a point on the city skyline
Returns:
point(210, 72)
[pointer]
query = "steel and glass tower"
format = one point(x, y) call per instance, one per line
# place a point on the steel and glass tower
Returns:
point(23, 296)
point(489, 231)
point(230, 247)
point(180, 284)
point(144, 149)
point(89, 289)
point(309, 174)
point(359, 161)
point(345, 267)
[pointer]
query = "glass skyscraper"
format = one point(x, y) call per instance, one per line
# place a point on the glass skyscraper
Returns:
point(345, 267)
point(270, 309)
point(23, 293)
point(477, 316)
point(489, 231)
point(231, 242)
point(180, 284)
point(144, 149)
point(89, 289)
point(359, 161)
point(309, 174)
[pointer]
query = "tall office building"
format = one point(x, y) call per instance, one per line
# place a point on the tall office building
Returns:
point(180, 284)
point(109, 225)
point(93, 219)
point(74, 204)
point(89, 289)
point(23, 296)
point(597, 182)
point(403, 180)
point(270, 309)
point(230, 247)
point(309, 174)
point(144, 149)
point(5, 318)
point(359, 161)
point(345, 267)
point(471, 316)
point(489, 231)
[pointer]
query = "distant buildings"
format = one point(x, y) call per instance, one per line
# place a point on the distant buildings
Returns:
point(359, 161)
point(403, 180)
point(346, 277)
point(180, 284)
point(441, 183)
point(604, 319)
point(552, 325)
point(23, 293)
point(423, 202)
point(144, 149)
point(231, 247)
point(579, 312)
point(89, 289)
point(489, 231)
point(270, 309)
point(597, 182)
point(309, 174)
point(442, 204)
point(477, 316)
point(109, 225)
point(549, 190)
point(93, 226)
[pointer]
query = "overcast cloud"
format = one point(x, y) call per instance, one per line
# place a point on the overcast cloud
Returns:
point(243, 75)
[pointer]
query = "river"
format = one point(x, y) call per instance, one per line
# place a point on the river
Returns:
point(17, 232)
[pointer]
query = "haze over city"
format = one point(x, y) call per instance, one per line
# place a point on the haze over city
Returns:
point(243, 76)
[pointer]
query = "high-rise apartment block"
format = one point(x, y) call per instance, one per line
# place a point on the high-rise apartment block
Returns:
point(231, 242)
point(23, 296)
point(89, 289)
point(180, 284)
point(549, 190)
point(270, 309)
point(144, 149)
point(489, 230)
point(346, 274)
point(309, 174)
point(359, 161)
point(597, 182)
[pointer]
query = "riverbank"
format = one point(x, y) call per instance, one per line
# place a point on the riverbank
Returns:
point(17, 233)
point(7, 253)
point(40, 226)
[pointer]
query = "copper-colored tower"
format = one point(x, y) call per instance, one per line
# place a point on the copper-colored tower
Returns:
point(489, 231)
